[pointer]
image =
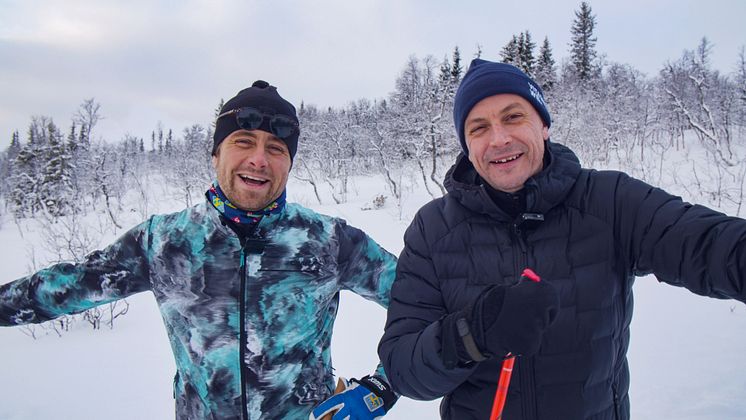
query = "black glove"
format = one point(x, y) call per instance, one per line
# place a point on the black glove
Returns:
point(502, 320)
point(513, 319)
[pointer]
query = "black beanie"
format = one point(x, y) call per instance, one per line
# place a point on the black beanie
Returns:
point(264, 97)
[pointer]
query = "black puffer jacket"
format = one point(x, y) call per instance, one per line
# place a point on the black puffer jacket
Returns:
point(601, 229)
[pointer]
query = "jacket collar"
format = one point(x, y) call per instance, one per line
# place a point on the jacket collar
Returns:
point(544, 190)
point(263, 228)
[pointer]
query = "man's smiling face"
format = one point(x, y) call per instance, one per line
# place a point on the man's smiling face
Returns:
point(252, 168)
point(505, 137)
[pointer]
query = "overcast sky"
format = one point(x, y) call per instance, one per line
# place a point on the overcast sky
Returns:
point(172, 61)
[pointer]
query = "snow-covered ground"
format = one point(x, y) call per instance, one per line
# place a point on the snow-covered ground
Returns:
point(687, 355)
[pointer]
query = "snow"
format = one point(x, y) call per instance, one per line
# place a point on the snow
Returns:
point(687, 354)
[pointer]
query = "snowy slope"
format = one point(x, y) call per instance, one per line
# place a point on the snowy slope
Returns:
point(687, 356)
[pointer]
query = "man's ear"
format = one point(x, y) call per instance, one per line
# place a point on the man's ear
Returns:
point(545, 132)
point(215, 160)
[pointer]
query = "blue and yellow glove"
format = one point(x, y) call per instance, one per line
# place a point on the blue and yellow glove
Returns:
point(368, 398)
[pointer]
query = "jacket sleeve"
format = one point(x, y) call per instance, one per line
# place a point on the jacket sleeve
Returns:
point(365, 268)
point(411, 345)
point(104, 276)
point(682, 244)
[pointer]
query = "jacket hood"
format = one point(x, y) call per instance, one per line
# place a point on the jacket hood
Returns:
point(544, 190)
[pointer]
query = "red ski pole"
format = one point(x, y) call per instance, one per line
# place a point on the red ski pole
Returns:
point(502, 388)
point(507, 370)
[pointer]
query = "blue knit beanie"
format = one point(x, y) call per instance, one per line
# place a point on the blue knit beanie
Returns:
point(485, 79)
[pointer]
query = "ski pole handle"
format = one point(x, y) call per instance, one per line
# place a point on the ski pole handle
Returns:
point(501, 394)
point(528, 274)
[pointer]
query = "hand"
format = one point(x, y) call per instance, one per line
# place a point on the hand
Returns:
point(368, 398)
point(341, 386)
point(513, 319)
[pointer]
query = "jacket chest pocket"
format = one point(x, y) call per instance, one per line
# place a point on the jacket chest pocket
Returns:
point(296, 281)
point(308, 265)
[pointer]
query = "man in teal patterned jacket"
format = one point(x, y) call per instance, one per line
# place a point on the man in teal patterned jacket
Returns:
point(247, 284)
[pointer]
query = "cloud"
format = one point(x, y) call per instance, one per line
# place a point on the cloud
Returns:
point(172, 61)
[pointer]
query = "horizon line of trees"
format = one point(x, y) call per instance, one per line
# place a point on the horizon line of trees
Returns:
point(602, 109)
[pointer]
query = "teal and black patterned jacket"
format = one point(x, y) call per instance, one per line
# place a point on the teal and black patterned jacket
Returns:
point(249, 319)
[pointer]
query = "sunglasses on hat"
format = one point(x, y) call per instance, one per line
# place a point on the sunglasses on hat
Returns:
point(248, 118)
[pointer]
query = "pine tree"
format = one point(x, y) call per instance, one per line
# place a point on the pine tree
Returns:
point(217, 112)
point(78, 158)
point(38, 130)
point(456, 69)
point(509, 53)
point(445, 76)
point(15, 145)
point(6, 163)
point(56, 183)
point(72, 140)
point(169, 147)
point(583, 46)
point(160, 138)
point(546, 75)
point(519, 51)
point(24, 182)
point(28, 166)
point(83, 138)
point(525, 58)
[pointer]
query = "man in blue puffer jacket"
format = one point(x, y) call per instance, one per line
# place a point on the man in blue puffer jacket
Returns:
point(515, 200)
point(247, 284)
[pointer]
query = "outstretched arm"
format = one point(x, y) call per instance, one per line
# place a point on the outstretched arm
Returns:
point(682, 244)
point(104, 276)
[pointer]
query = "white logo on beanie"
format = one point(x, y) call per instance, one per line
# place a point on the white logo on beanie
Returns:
point(536, 94)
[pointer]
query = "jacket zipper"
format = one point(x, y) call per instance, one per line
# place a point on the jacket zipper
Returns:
point(525, 365)
point(250, 245)
point(521, 261)
point(242, 333)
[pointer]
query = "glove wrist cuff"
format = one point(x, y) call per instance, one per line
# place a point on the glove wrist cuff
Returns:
point(379, 387)
point(462, 326)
